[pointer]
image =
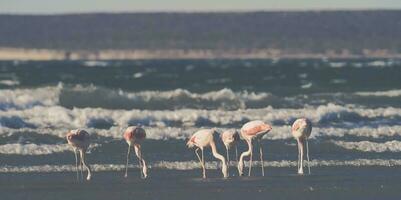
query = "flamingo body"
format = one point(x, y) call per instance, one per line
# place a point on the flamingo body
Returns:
point(79, 139)
point(230, 138)
point(301, 130)
point(202, 139)
point(250, 131)
point(134, 135)
point(254, 129)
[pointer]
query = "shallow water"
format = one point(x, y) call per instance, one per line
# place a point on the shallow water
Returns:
point(354, 106)
point(280, 183)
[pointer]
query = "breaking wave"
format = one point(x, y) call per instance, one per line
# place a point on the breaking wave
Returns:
point(367, 146)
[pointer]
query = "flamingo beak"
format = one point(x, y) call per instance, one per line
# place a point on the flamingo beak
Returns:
point(189, 144)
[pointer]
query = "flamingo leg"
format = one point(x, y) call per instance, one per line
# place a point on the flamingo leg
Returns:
point(197, 155)
point(142, 163)
point(236, 153)
point(228, 155)
point(82, 168)
point(85, 165)
point(299, 155)
point(126, 165)
point(203, 165)
point(250, 159)
point(307, 153)
point(76, 163)
point(261, 158)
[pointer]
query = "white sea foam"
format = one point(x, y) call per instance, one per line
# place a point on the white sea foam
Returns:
point(194, 165)
point(367, 146)
point(166, 124)
point(9, 82)
point(28, 98)
point(95, 63)
point(35, 149)
point(338, 64)
point(388, 93)
point(92, 96)
point(379, 63)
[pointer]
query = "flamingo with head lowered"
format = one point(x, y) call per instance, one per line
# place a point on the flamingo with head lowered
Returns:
point(79, 140)
point(301, 130)
point(204, 138)
point(250, 131)
point(134, 135)
point(230, 138)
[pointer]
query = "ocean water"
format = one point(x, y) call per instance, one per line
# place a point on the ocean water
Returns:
point(354, 106)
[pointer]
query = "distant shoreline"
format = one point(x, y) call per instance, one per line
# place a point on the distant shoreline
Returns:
point(137, 54)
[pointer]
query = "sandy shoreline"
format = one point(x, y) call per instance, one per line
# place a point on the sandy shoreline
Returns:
point(134, 54)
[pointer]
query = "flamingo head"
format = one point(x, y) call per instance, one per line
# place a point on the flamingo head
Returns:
point(241, 168)
point(230, 137)
point(69, 136)
point(191, 142)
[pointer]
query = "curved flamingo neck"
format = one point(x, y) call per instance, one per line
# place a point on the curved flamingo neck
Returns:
point(215, 153)
point(246, 153)
point(220, 157)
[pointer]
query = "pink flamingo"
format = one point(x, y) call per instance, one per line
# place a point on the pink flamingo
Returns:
point(79, 140)
point(230, 139)
point(134, 135)
point(250, 131)
point(301, 130)
point(204, 138)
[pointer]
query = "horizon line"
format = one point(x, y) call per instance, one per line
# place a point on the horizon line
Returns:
point(199, 11)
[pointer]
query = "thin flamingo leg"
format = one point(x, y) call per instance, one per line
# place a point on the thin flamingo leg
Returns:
point(126, 165)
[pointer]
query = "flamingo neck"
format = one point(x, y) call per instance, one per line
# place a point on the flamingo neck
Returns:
point(241, 159)
point(220, 157)
point(216, 154)
point(301, 142)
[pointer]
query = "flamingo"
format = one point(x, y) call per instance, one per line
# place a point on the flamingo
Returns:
point(134, 135)
point(204, 138)
point(250, 131)
point(301, 130)
point(79, 140)
point(230, 139)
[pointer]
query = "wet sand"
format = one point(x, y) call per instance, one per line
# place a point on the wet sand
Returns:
point(280, 183)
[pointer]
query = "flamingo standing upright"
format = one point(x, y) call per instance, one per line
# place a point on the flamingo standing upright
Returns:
point(230, 139)
point(250, 131)
point(301, 130)
point(204, 138)
point(134, 135)
point(80, 141)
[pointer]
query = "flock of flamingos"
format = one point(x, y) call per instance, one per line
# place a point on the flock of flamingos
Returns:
point(253, 130)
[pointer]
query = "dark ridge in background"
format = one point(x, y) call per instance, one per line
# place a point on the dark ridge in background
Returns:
point(295, 31)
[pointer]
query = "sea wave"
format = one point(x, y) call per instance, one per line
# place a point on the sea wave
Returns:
point(282, 132)
point(165, 122)
point(57, 116)
point(388, 93)
point(35, 149)
point(91, 96)
point(368, 146)
point(28, 98)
